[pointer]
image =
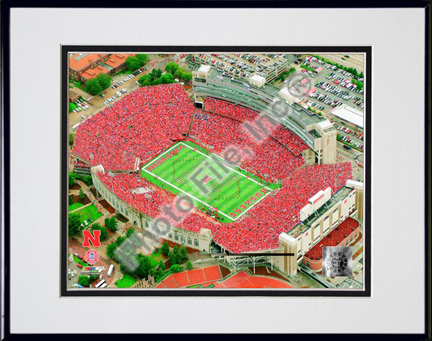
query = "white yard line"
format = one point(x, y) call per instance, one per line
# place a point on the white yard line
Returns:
point(157, 158)
point(202, 202)
point(184, 192)
point(227, 166)
point(252, 205)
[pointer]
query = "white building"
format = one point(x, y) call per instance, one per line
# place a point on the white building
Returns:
point(349, 115)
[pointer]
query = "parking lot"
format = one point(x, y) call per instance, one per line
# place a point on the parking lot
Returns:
point(97, 103)
point(350, 136)
point(333, 87)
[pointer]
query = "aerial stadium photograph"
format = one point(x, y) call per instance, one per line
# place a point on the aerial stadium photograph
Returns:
point(215, 172)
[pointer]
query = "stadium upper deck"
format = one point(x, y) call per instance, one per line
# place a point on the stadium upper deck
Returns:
point(317, 132)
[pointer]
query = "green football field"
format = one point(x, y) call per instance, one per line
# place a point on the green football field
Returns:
point(230, 191)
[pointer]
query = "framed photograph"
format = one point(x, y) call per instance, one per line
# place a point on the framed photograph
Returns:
point(216, 159)
point(183, 160)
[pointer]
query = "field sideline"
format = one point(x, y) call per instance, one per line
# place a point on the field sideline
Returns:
point(229, 191)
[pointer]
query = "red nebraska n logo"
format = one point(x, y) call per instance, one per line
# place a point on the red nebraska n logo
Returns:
point(95, 240)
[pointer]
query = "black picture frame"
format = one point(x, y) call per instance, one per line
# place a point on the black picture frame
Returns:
point(366, 292)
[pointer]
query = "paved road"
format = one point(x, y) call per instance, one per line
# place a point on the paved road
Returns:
point(355, 60)
point(348, 155)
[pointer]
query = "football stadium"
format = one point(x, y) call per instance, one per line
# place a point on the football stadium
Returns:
point(157, 142)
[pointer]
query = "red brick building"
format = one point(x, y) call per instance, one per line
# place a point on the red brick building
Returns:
point(81, 62)
point(117, 62)
point(343, 235)
point(84, 66)
point(92, 73)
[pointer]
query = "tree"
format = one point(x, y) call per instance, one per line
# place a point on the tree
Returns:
point(145, 80)
point(167, 78)
point(183, 74)
point(104, 232)
point(74, 223)
point(70, 200)
point(176, 268)
point(88, 180)
point(144, 58)
point(120, 240)
point(161, 265)
point(159, 274)
point(111, 224)
point(187, 76)
point(189, 265)
point(93, 87)
point(133, 63)
point(172, 258)
point(176, 249)
point(71, 139)
point(84, 280)
point(171, 67)
point(165, 249)
point(72, 178)
point(81, 194)
point(183, 252)
point(157, 81)
point(129, 232)
point(144, 266)
point(104, 80)
point(156, 73)
point(110, 250)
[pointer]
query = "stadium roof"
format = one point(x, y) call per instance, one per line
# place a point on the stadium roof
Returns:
point(349, 114)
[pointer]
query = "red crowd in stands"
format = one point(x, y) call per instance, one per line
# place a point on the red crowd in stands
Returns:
point(149, 120)
point(270, 158)
point(284, 136)
point(260, 228)
point(125, 186)
point(140, 125)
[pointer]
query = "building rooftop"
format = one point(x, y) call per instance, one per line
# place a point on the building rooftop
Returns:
point(92, 73)
point(115, 60)
point(204, 68)
point(79, 61)
point(349, 114)
point(334, 238)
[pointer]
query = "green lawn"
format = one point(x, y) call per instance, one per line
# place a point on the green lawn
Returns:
point(72, 106)
point(125, 71)
point(75, 206)
point(88, 212)
point(155, 258)
point(126, 281)
point(232, 196)
point(79, 261)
